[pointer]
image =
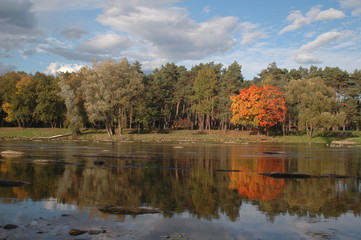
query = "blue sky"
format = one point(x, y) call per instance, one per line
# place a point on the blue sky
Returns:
point(63, 35)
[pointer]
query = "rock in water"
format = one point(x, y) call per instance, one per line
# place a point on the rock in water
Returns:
point(10, 226)
point(76, 232)
point(99, 162)
point(96, 232)
point(127, 210)
point(7, 183)
point(286, 175)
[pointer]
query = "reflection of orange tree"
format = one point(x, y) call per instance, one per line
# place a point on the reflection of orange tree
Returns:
point(254, 186)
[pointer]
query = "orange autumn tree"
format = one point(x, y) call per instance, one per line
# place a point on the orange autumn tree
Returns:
point(263, 106)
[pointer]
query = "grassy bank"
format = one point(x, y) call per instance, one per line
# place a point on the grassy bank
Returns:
point(26, 133)
point(178, 136)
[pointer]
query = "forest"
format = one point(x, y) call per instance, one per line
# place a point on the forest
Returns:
point(118, 95)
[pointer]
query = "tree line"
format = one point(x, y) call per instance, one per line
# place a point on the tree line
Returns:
point(118, 94)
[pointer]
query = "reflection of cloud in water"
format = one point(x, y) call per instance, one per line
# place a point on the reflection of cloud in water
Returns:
point(52, 204)
point(153, 226)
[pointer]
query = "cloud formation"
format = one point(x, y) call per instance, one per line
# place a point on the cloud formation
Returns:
point(16, 13)
point(167, 31)
point(353, 4)
point(298, 20)
point(305, 55)
point(250, 33)
point(55, 68)
point(74, 33)
point(59, 5)
point(106, 43)
point(18, 26)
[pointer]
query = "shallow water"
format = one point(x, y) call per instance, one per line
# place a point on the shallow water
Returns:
point(204, 191)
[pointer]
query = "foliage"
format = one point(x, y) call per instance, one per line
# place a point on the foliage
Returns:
point(314, 102)
point(101, 97)
point(230, 84)
point(22, 105)
point(205, 95)
point(50, 106)
point(71, 93)
point(109, 89)
point(258, 106)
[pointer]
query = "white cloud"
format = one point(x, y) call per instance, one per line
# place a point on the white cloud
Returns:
point(102, 46)
point(55, 68)
point(206, 10)
point(104, 43)
point(304, 58)
point(298, 20)
point(329, 14)
point(354, 4)
point(167, 30)
point(58, 5)
point(305, 54)
point(74, 32)
point(250, 33)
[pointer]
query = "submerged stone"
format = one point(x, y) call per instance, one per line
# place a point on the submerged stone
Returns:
point(10, 226)
point(286, 175)
point(7, 183)
point(127, 210)
point(76, 232)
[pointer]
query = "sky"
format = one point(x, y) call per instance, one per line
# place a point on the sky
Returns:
point(63, 35)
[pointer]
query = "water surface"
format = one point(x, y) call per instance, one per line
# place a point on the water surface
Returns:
point(204, 191)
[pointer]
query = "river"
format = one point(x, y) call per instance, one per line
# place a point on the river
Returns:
point(203, 191)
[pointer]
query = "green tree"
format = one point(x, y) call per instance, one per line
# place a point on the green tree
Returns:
point(163, 89)
point(71, 93)
point(312, 98)
point(274, 76)
point(109, 89)
point(205, 95)
point(50, 107)
point(337, 79)
point(230, 84)
point(351, 103)
point(182, 93)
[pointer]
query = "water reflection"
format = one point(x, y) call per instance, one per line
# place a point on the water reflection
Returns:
point(254, 186)
point(179, 180)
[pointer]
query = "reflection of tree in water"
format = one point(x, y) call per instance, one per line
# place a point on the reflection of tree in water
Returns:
point(328, 197)
point(254, 186)
point(193, 186)
point(23, 170)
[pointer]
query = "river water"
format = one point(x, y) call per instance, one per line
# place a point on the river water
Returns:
point(203, 191)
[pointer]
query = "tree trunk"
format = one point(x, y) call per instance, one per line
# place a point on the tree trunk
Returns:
point(110, 128)
point(201, 122)
point(120, 128)
point(289, 121)
point(131, 118)
point(177, 110)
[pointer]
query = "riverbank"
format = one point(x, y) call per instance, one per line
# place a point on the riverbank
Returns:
point(232, 136)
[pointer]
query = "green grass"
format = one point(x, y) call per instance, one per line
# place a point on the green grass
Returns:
point(31, 132)
point(180, 136)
